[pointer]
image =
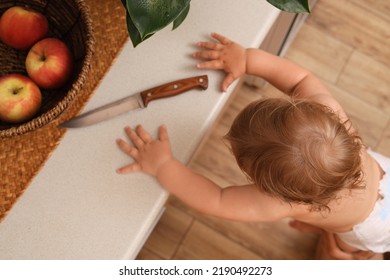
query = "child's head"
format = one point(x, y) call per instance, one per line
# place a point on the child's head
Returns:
point(297, 151)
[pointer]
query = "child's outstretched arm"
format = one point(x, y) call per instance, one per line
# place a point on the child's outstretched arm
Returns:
point(235, 60)
point(285, 75)
point(154, 156)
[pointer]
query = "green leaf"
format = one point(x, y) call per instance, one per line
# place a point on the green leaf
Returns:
point(134, 35)
point(292, 6)
point(131, 29)
point(150, 16)
point(179, 20)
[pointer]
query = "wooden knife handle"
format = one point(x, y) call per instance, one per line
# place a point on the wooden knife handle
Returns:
point(174, 88)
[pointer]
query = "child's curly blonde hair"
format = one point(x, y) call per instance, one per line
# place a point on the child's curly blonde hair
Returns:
point(298, 151)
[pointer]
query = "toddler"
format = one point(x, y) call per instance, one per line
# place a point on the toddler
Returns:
point(304, 159)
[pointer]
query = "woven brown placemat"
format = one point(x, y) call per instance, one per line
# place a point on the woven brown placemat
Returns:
point(22, 157)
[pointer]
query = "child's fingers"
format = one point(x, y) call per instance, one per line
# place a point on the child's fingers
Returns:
point(133, 136)
point(134, 167)
point(334, 250)
point(207, 54)
point(143, 134)
point(163, 133)
point(221, 38)
point(364, 255)
point(127, 149)
point(210, 45)
point(227, 82)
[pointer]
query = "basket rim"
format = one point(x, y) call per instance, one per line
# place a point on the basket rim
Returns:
point(56, 111)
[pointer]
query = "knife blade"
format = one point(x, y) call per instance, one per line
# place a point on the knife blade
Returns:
point(136, 101)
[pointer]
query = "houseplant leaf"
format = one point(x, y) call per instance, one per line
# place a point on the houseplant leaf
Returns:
point(293, 6)
point(134, 35)
point(146, 17)
point(150, 16)
point(179, 20)
point(131, 29)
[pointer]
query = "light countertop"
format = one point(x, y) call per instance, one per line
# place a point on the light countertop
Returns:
point(77, 207)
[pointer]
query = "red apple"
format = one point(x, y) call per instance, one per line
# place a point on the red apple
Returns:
point(21, 28)
point(20, 98)
point(49, 63)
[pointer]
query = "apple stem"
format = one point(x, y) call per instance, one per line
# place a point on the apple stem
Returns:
point(43, 57)
point(17, 90)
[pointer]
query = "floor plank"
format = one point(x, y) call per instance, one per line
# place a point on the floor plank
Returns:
point(368, 119)
point(352, 23)
point(320, 52)
point(168, 233)
point(202, 242)
point(268, 240)
point(368, 79)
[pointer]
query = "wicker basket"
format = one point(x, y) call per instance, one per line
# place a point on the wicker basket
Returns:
point(69, 21)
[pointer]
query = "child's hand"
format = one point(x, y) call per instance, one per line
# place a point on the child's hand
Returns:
point(225, 55)
point(149, 154)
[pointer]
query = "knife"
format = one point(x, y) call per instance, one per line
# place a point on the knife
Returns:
point(136, 101)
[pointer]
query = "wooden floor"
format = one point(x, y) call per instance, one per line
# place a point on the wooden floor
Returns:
point(346, 44)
